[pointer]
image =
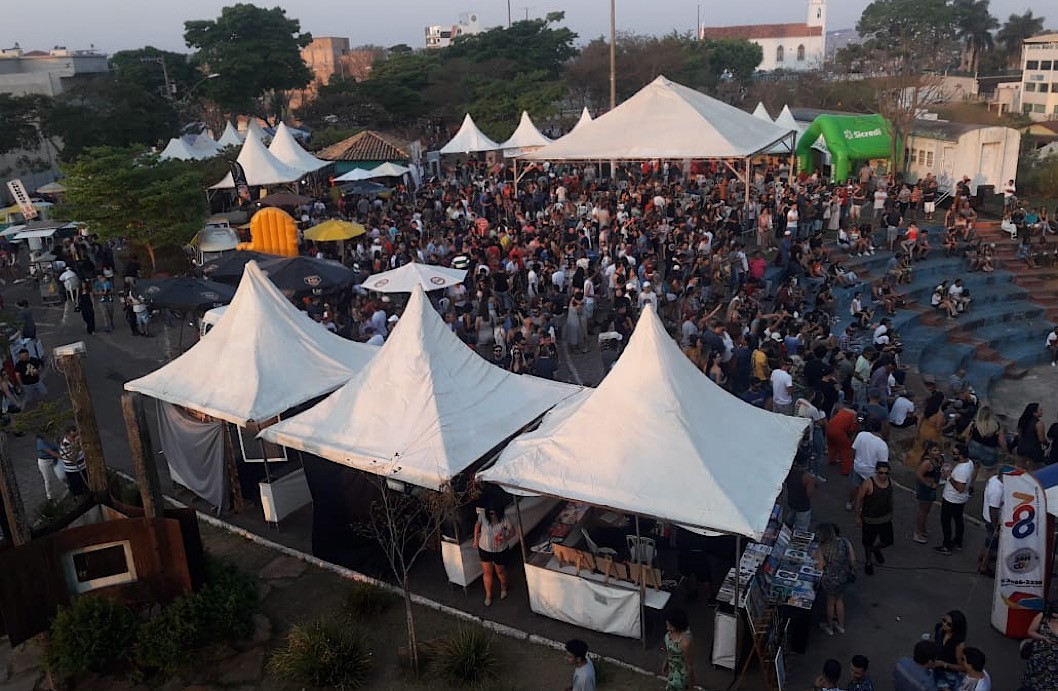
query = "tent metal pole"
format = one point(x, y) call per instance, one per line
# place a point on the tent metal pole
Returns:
point(738, 615)
point(642, 587)
point(747, 179)
point(521, 533)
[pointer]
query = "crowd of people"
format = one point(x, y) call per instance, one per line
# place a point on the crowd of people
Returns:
point(748, 276)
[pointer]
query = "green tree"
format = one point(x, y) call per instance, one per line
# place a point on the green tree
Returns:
point(255, 51)
point(1015, 30)
point(495, 75)
point(702, 65)
point(907, 41)
point(107, 112)
point(143, 67)
point(21, 116)
point(128, 193)
point(974, 25)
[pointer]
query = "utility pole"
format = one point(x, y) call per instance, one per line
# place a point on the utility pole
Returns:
point(160, 60)
point(613, 78)
point(613, 54)
point(526, 12)
point(508, 14)
point(698, 25)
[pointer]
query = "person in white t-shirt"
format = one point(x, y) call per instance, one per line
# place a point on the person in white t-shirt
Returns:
point(870, 450)
point(782, 389)
point(583, 669)
point(902, 412)
point(953, 500)
point(1052, 345)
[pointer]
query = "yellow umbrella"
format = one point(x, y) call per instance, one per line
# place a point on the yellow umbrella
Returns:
point(333, 230)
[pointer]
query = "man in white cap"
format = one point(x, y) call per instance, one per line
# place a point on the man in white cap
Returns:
point(648, 295)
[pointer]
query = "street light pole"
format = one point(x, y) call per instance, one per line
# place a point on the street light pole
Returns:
point(508, 14)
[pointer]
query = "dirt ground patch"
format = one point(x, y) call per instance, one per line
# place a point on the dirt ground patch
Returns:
point(292, 598)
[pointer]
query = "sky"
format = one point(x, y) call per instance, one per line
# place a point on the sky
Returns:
point(112, 25)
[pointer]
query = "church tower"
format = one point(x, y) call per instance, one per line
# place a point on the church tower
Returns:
point(817, 14)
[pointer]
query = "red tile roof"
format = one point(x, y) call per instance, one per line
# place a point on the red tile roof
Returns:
point(752, 31)
point(367, 146)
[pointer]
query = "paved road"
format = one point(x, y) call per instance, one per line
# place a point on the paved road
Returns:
point(887, 613)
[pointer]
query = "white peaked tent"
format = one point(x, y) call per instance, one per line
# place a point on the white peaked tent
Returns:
point(261, 167)
point(253, 128)
point(585, 117)
point(286, 149)
point(469, 139)
point(786, 119)
point(761, 112)
point(680, 448)
point(405, 278)
point(669, 121)
point(526, 136)
point(179, 149)
point(205, 143)
point(383, 170)
point(424, 410)
point(263, 357)
point(230, 136)
point(389, 169)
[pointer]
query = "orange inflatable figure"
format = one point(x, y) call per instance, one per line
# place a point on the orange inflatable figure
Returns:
point(272, 231)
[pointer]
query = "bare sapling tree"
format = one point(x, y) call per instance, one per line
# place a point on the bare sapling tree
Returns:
point(405, 522)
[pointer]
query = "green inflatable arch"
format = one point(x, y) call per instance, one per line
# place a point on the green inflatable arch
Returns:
point(849, 138)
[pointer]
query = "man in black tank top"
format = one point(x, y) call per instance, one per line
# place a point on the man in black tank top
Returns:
point(874, 513)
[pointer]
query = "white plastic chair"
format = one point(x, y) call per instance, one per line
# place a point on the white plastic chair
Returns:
point(641, 550)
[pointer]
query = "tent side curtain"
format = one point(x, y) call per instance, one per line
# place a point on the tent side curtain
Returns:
point(849, 138)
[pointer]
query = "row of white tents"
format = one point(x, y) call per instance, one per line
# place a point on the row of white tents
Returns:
point(423, 408)
point(786, 120)
point(664, 120)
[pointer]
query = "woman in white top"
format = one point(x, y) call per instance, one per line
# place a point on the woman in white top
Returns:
point(589, 301)
point(492, 533)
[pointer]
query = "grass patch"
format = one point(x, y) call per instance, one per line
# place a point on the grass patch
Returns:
point(366, 601)
point(468, 658)
point(324, 653)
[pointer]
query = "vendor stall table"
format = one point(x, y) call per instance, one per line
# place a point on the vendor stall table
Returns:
point(591, 584)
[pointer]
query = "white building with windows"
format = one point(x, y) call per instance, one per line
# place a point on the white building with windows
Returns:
point(1039, 77)
point(441, 36)
point(795, 47)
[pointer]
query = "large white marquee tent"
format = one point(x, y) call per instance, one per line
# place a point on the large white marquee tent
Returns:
point(670, 453)
point(666, 120)
point(424, 410)
point(180, 150)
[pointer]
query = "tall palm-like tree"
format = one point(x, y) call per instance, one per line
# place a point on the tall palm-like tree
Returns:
point(1014, 32)
point(974, 25)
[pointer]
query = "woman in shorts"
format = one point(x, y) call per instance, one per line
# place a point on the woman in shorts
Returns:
point(492, 533)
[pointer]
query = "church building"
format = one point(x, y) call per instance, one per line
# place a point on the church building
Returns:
point(795, 47)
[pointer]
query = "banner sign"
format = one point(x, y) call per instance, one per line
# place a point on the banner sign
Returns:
point(18, 192)
point(1021, 567)
point(238, 177)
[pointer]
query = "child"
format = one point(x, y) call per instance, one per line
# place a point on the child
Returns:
point(829, 679)
point(976, 679)
point(583, 669)
point(860, 680)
